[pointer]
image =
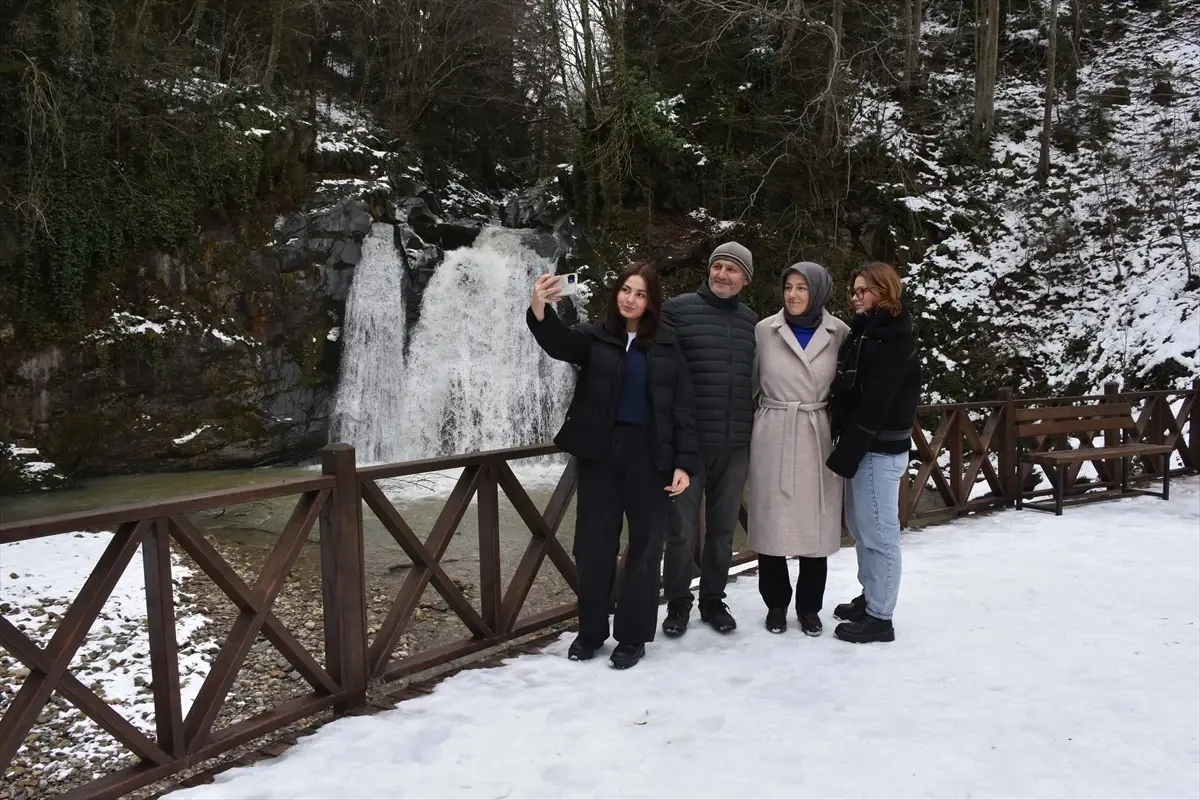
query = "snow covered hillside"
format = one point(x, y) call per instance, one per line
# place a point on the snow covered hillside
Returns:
point(1096, 276)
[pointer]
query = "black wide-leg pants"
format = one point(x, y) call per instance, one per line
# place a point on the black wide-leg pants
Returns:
point(629, 485)
point(775, 584)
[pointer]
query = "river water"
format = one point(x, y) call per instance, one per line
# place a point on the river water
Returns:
point(419, 500)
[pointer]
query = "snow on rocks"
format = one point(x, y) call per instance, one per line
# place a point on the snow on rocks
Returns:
point(164, 321)
point(23, 469)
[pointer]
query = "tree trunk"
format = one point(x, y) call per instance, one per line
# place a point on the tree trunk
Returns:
point(273, 51)
point(143, 10)
point(197, 19)
point(912, 53)
point(831, 133)
point(987, 51)
point(590, 97)
point(559, 50)
point(1043, 169)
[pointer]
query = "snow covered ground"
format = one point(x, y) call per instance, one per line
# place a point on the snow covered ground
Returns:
point(1036, 657)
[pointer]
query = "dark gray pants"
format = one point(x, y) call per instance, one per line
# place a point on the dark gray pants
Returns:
point(720, 487)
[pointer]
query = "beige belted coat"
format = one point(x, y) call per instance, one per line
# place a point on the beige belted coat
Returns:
point(795, 504)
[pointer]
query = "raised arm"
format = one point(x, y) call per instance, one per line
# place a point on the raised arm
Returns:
point(552, 334)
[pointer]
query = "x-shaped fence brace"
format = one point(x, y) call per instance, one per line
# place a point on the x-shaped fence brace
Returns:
point(954, 429)
point(499, 612)
point(176, 736)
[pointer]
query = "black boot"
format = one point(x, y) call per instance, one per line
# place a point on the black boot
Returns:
point(581, 650)
point(676, 622)
point(625, 655)
point(867, 629)
point(717, 614)
point(777, 620)
point(852, 611)
point(810, 623)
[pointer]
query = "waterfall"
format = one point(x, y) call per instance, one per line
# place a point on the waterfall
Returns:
point(368, 396)
point(474, 378)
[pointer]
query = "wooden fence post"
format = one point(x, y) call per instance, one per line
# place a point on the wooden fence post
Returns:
point(954, 446)
point(343, 578)
point(1112, 438)
point(490, 599)
point(1193, 424)
point(1006, 450)
point(164, 647)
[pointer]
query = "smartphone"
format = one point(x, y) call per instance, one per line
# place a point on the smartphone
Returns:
point(568, 284)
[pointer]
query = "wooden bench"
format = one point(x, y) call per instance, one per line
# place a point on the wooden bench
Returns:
point(1044, 425)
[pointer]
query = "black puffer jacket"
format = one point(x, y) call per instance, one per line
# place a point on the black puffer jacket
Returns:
point(717, 337)
point(876, 392)
point(587, 431)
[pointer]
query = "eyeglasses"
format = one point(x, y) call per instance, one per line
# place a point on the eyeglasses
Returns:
point(858, 294)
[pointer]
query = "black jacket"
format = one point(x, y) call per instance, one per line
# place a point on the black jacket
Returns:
point(876, 392)
point(587, 431)
point(717, 337)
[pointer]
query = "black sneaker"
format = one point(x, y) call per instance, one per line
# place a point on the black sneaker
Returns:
point(625, 655)
point(581, 650)
point(867, 629)
point(676, 623)
point(777, 620)
point(717, 614)
point(852, 611)
point(810, 623)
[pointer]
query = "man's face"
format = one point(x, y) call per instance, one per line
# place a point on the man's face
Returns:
point(726, 278)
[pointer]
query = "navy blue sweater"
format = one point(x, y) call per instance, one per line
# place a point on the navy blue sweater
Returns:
point(633, 404)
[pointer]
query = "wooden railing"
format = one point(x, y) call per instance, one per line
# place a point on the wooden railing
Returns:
point(959, 447)
point(954, 445)
point(180, 740)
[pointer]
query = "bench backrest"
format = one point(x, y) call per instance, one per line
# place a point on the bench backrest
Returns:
point(1060, 420)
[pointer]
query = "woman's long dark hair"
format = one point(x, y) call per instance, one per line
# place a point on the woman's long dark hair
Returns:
point(648, 324)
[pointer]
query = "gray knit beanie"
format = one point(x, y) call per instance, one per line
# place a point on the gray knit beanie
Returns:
point(736, 253)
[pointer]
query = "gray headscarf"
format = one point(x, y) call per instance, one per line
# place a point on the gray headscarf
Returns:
point(820, 290)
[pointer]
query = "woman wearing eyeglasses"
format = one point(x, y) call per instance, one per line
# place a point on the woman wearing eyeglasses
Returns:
point(873, 405)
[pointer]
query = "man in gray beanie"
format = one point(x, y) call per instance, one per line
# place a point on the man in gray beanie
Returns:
point(716, 332)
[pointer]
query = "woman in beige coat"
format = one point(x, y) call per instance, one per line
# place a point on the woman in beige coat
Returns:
point(795, 501)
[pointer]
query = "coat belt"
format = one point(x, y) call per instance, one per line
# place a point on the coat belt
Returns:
point(787, 472)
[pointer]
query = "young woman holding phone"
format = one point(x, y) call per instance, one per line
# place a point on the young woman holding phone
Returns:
point(630, 427)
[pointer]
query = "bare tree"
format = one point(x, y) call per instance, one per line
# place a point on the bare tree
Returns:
point(277, 14)
point(1043, 168)
point(912, 52)
point(987, 51)
point(831, 132)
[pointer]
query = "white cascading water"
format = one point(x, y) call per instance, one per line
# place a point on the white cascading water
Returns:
point(474, 379)
point(368, 396)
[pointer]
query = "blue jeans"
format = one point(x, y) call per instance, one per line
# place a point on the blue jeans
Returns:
point(872, 504)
